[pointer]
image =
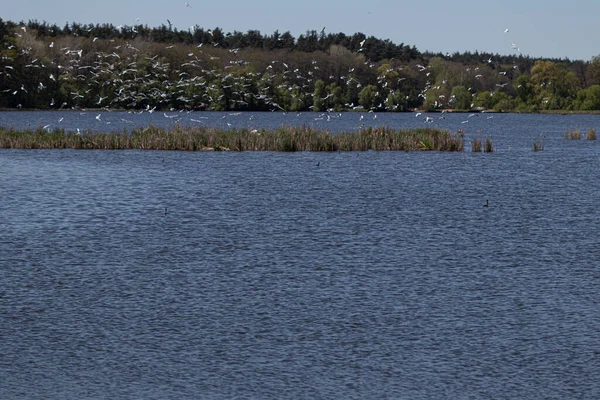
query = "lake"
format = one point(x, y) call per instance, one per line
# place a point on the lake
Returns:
point(264, 275)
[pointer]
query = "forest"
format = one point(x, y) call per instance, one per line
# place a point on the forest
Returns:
point(45, 66)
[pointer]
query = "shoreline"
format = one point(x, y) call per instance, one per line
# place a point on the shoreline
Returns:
point(443, 111)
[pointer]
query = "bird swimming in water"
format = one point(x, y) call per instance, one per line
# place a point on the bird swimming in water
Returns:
point(487, 204)
point(165, 212)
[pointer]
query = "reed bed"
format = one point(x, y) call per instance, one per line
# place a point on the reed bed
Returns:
point(285, 138)
point(538, 144)
point(591, 134)
point(488, 146)
point(476, 145)
point(573, 134)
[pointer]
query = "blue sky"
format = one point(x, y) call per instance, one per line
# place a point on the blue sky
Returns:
point(549, 28)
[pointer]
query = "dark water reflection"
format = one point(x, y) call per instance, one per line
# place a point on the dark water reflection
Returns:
point(343, 275)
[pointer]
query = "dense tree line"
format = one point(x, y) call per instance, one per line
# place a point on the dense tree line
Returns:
point(375, 49)
point(137, 67)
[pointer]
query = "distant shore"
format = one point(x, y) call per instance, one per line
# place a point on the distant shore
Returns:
point(442, 111)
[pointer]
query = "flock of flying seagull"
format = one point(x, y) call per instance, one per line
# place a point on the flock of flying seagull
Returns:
point(147, 81)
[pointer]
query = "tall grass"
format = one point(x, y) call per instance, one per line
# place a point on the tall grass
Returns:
point(291, 138)
point(488, 146)
point(538, 144)
point(476, 145)
point(591, 134)
point(573, 134)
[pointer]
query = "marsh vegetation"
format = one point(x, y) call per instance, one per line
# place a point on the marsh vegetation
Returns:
point(285, 138)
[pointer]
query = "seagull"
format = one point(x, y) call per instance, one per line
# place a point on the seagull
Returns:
point(506, 30)
point(98, 117)
point(188, 5)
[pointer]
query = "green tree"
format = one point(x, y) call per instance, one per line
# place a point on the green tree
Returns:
point(484, 100)
point(555, 87)
point(388, 77)
point(3, 31)
point(589, 99)
point(298, 100)
point(435, 98)
point(461, 98)
point(368, 97)
point(524, 89)
point(593, 71)
point(319, 96)
point(336, 97)
point(501, 101)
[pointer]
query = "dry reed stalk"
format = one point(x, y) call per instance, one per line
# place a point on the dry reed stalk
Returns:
point(573, 134)
point(538, 144)
point(488, 146)
point(591, 134)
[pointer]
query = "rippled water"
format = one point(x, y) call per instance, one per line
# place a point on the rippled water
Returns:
point(303, 275)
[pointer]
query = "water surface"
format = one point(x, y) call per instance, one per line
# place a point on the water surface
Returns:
point(304, 275)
